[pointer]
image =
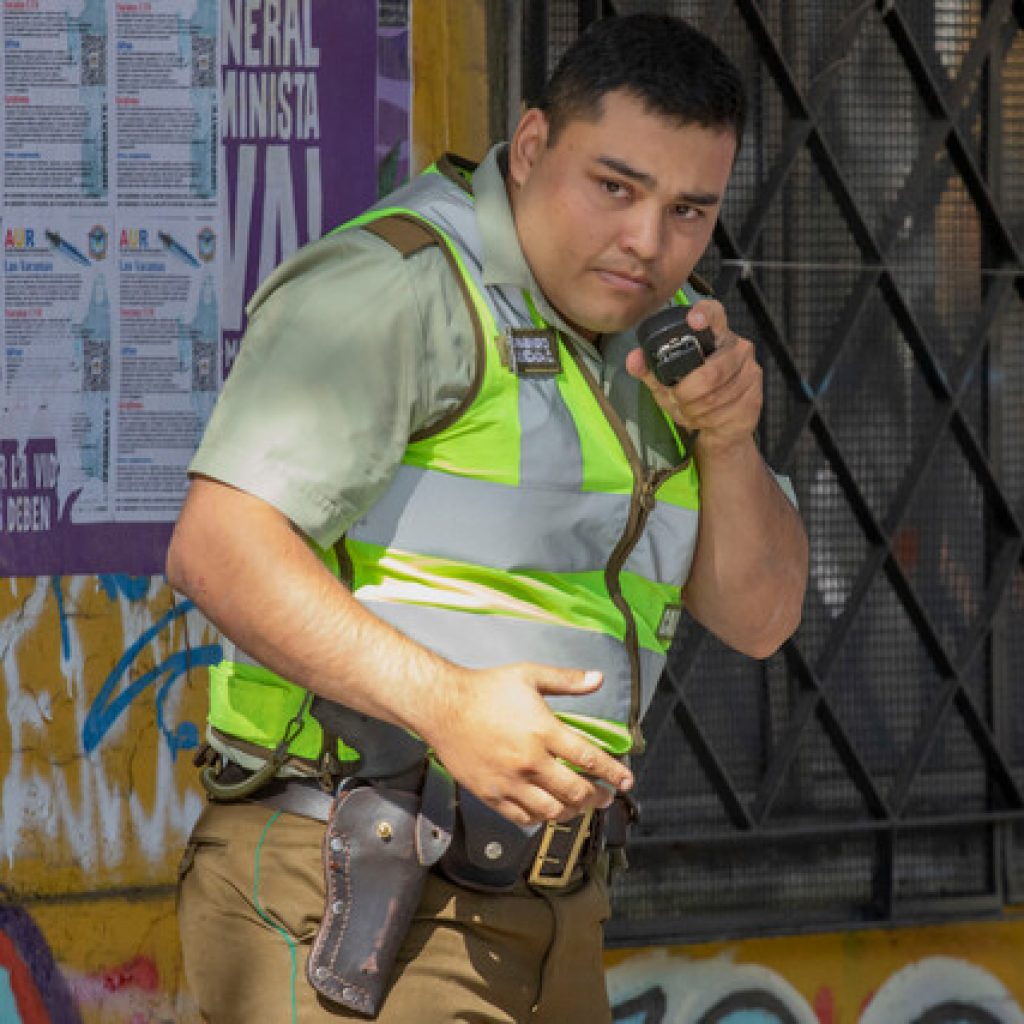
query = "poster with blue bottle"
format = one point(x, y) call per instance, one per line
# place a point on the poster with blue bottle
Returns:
point(56, 104)
point(159, 158)
point(57, 366)
point(165, 128)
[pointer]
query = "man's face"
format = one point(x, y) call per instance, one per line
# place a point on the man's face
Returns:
point(613, 216)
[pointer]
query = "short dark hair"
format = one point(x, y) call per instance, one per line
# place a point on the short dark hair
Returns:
point(671, 67)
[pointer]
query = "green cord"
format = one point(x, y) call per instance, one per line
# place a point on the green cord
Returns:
point(273, 924)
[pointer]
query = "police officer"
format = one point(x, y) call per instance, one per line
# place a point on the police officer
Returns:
point(444, 494)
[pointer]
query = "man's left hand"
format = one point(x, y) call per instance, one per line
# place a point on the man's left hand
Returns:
point(723, 397)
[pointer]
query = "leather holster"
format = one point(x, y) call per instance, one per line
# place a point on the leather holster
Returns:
point(379, 844)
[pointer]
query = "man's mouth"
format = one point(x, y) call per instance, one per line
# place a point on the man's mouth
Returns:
point(624, 280)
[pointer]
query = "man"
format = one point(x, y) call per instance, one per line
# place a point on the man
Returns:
point(444, 406)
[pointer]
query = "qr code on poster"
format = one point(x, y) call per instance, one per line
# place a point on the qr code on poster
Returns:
point(203, 62)
point(94, 60)
point(204, 366)
point(96, 369)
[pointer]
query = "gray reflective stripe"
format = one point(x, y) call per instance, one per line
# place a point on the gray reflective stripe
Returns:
point(665, 549)
point(543, 416)
point(486, 641)
point(652, 665)
point(508, 306)
point(446, 206)
point(550, 454)
point(487, 523)
point(787, 487)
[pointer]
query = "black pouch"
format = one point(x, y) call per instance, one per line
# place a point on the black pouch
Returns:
point(488, 852)
point(377, 850)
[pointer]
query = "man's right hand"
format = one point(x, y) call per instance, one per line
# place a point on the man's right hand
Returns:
point(493, 731)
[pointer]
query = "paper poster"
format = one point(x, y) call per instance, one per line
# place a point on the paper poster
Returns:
point(160, 158)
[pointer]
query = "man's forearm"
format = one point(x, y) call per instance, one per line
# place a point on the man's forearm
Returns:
point(260, 584)
point(257, 580)
point(749, 572)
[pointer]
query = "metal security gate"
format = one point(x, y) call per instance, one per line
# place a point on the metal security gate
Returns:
point(871, 243)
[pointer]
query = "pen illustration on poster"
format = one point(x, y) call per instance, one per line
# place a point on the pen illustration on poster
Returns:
point(160, 158)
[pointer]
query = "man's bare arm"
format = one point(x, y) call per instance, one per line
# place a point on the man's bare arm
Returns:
point(749, 571)
point(253, 575)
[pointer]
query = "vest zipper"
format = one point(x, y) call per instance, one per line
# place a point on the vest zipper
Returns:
point(642, 502)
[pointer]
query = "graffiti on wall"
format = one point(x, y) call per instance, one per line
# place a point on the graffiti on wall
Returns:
point(116, 694)
point(659, 987)
point(102, 685)
point(943, 990)
point(60, 787)
point(97, 799)
point(32, 988)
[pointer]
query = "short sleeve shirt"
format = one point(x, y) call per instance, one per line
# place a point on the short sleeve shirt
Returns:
point(351, 348)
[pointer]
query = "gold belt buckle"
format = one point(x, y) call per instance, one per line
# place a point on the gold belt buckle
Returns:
point(560, 879)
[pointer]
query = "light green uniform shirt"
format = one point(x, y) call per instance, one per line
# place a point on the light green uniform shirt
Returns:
point(350, 349)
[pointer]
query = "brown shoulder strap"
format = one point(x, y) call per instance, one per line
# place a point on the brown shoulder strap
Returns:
point(457, 169)
point(405, 234)
point(700, 284)
point(409, 235)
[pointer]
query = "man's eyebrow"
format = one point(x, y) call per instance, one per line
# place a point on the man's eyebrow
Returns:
point(649, 181)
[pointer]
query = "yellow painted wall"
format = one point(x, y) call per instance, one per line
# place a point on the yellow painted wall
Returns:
point(90, 839)
point(865, 977)
point(450, 80)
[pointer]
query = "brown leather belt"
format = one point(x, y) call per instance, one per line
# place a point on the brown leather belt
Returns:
point(305, 797)
point(557, 856)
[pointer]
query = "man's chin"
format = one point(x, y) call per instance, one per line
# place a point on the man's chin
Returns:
point(604, 316)
point(617, 321)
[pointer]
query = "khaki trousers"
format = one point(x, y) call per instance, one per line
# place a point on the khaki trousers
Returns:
point(250, 899)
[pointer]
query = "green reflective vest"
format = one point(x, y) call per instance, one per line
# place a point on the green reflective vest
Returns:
point(524, 528)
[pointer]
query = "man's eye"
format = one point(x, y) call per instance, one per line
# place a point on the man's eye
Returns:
point(613, 188)
point(684, 212)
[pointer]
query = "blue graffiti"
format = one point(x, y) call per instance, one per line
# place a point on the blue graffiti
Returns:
point(8, 1007)
point(32, 988)
point(744, 1006)
point(749, 1006)
point(134, 588)
point(65, 639)
point(648, 1007)
point(757, 1016)
point(106, 711)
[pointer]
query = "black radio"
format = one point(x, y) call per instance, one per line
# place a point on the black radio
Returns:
point(672, 347)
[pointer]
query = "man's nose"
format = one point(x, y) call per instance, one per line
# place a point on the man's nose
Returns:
point(642, 232)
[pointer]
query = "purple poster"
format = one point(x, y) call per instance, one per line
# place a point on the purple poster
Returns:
point(299, 134)
point(217, 137)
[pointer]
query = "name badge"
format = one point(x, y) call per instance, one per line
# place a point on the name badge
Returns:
point(533, 352)
point(669, 622)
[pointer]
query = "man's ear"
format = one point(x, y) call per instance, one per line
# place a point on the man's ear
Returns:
point(526, 145)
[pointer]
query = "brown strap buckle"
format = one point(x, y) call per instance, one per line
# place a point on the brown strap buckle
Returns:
point(553, 867)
